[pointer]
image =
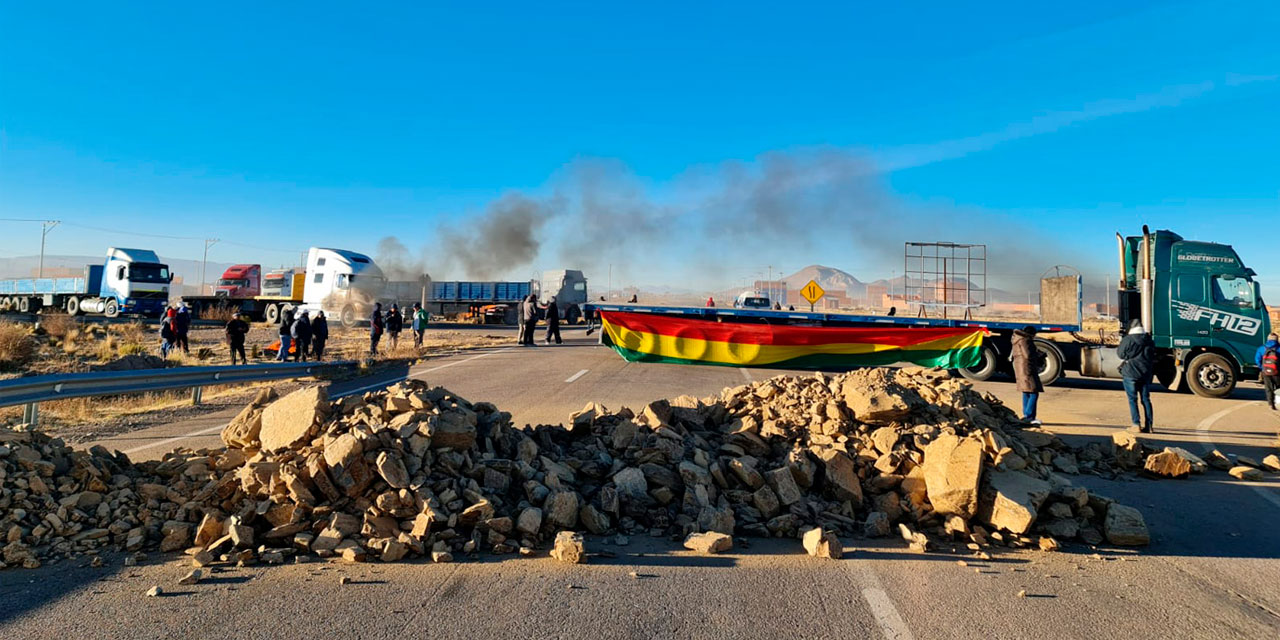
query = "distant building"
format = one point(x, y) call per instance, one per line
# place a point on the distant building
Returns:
point(876, 294)
point(776, 290)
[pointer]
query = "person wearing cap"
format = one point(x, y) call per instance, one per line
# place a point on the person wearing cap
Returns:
point(1268, 360)
point(1137, 353)
point(1026, 371)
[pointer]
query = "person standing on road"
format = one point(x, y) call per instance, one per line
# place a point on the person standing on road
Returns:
point(319, 334)
point(553, 322)
point(420, 318)
point(376, 325)
point(529, 314)
point(1026, 370)
point(236, 330)
point(1138, 355)
point(711, 301)
point(1268, 361)
point(395, 324)
point(302, 337)
point(286, 335)
point(181, 326)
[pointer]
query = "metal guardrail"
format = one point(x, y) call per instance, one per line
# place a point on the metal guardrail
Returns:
point(32, 390)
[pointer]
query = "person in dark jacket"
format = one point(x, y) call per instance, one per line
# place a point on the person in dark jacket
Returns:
point(1265, 358)
point(302, 337)
point(167, 336)
point(553, 322)
point(1138, 355)
point(1026, 370)
point(236, 330)
point(286, 335)
point(395, 324)
point(319, 334)
point(181, 327)
point(376, 325)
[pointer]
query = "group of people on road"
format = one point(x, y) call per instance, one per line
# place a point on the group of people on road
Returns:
point(528, 320)
point(300, 334)
point(1138, 355)
point(391, 322)
point(175, 326)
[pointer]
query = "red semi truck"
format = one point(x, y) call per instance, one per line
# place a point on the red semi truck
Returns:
point(240, 281)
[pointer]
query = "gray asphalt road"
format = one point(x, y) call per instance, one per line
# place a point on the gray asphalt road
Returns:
point(1210, 572)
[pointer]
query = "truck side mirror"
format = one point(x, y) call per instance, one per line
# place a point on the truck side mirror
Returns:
point(170, 278)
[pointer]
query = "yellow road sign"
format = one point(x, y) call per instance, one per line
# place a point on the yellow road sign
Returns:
point(812, 292)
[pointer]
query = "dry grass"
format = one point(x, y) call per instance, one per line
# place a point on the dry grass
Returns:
point(221, 314)
point(17, 346)
point(58, 325)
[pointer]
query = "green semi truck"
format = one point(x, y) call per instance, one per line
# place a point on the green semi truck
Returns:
point(1202, 306)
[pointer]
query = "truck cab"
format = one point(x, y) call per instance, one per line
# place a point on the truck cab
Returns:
point(1202, 306)
point(240, 281)
point(133, 281)
point(569, 286)
point(344, 284)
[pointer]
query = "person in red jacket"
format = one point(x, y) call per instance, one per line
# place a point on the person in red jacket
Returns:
point(711, 302)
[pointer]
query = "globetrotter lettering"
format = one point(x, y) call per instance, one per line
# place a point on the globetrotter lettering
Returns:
point(1227, 321)
point(1204, 257)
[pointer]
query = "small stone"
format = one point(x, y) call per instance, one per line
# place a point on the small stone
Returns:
point(1243, 472)
point(1022, 594)
point(708, 542)
point(344, 580)
point(154, 592)
point(440, 557)
point(820, 543)
point(1124, 526)
point(569, 547)
point(192, 577)
point(1271, 463)
point(1048, 544)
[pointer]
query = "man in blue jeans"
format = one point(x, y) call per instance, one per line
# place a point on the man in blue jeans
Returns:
point(1138, 353)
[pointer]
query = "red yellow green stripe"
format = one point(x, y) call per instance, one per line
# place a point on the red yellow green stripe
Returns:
point(641, 337)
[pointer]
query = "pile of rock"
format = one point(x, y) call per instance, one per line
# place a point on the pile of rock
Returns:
point(56, 502)
point(419, 471)
point(1176, 462)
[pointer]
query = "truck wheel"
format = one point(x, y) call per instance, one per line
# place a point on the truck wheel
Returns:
point(111, 309)
point(572, 316)
point(1211, 376)
point(1170, 378)
point(272, 314)
point(73, 306)
point(24, 305)
point(348, 316)
point(985, 368)
point(1052, 366)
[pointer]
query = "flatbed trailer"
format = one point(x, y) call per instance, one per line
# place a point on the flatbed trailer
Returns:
point(1058, 356)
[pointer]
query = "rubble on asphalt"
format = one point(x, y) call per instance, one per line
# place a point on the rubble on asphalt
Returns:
point(416, 471)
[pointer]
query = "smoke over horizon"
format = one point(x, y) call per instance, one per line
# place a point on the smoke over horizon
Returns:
point(711, 224)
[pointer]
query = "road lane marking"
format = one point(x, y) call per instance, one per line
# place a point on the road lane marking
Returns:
point(746, 374)
point(1206, 427)
point(376, 385)
point(881, 605)
point(202, 432)
point(577, 375)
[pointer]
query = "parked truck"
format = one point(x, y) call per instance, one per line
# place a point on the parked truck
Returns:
point(129, 282)
point(240, 281)
point(344, 284)
point(492, 301)
point(1197, 299)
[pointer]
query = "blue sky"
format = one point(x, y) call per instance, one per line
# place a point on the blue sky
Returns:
point(696, 145)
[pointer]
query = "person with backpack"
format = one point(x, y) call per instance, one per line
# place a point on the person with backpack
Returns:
point(168, 337)
point(1138, 354)
point(1026, 370)
point(420, 318)
point(319, 334)
point(1268, 361)
point(237, 329)
point(302, 337)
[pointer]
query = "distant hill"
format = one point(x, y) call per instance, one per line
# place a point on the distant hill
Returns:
point(829, 278)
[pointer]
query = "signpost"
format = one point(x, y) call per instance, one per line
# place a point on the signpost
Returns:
point(812, 292)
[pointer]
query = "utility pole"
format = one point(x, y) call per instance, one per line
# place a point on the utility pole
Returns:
point(208, 242)
point(45, 227)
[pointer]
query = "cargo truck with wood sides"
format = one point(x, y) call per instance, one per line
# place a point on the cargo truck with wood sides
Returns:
point(344, 284)
point(1197, 299)
point(129, 282)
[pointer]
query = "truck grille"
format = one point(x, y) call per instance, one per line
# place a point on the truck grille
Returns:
point(150, 295)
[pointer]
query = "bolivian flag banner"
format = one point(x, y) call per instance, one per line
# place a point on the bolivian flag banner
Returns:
point(642, 337)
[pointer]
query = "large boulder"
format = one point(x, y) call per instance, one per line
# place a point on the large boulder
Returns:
point(1010, 500)
point(344, 456)
point(875, 397)
point(455, 429)
point(291, 421)
point(841, 476)
point(952, 471)
point(1124, 526)
point(1167, 464)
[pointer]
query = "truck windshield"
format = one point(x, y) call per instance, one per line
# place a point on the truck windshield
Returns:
point(1233, 292)
point(144, 272)
point(232, 282)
